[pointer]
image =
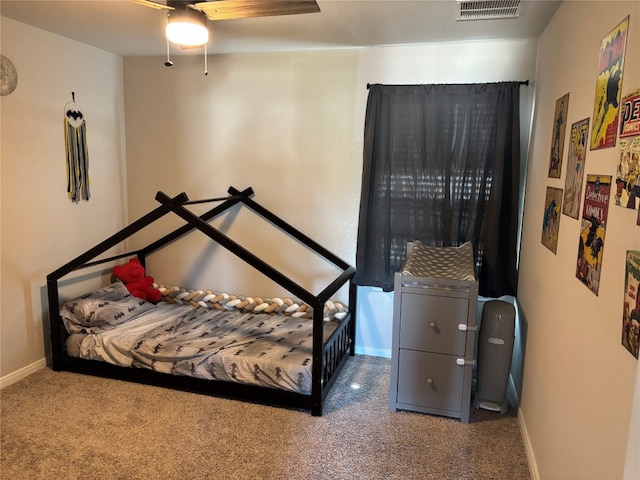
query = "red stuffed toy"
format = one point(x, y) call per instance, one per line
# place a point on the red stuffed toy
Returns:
point(139, 285)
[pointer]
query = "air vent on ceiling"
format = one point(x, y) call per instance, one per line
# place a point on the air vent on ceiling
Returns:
point(488, 9)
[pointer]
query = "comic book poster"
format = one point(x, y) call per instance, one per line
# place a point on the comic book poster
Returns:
point(551, 218)
point(608, 84)
point(630, 115)
point(575, 168)
point(628, 173)
point(631, 303)
point(557, 136)
point(592, 231)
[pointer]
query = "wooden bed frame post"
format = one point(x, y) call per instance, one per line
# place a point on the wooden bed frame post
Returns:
point(317, 364)
point(54, 326)
point(353, 300)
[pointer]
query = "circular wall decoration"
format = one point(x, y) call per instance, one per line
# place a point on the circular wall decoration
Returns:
point(8, 76)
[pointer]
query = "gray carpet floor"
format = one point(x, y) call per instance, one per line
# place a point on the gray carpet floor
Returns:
point(68, 426)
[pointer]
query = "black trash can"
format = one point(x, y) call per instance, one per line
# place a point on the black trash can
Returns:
point(495, 349)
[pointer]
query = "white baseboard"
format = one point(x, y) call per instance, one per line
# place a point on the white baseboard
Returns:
point(13, 377)
point(531, 458)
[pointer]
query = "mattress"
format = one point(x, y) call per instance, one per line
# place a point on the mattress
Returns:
point(264, 349)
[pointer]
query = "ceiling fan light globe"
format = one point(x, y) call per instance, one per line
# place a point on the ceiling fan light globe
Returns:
point(187, 34)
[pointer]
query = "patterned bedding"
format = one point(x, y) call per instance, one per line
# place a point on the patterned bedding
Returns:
point(265, 349)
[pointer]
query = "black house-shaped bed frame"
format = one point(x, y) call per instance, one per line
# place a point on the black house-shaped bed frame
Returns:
point(328, 357)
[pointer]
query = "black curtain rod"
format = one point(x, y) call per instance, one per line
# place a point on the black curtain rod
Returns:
point(521, 82)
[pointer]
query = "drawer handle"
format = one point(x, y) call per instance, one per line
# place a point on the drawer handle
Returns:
point(464, 327)
point(430, 381)
point(432, 324)
point(462, 362)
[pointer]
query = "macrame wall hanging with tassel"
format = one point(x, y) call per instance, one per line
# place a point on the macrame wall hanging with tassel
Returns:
point(75, 133)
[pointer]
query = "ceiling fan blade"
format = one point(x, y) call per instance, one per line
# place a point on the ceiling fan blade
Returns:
point(233, 9)
point(152, 4)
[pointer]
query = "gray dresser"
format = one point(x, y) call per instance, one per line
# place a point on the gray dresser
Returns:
point(434, 329)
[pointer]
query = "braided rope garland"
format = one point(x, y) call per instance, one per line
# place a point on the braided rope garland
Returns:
point(333, 310)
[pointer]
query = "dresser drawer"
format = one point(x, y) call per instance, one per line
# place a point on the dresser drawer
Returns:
point(430, 323)
point(428, 379)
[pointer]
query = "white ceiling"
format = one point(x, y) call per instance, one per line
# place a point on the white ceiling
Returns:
point(129, 29)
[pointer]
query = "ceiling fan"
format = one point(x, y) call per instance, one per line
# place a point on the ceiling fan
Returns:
point(234, 9)
point(187, 20)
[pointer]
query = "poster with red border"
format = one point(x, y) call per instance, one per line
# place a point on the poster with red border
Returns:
point(592, 231)
point(630, 115)
point(608, 87)
point(631, 303)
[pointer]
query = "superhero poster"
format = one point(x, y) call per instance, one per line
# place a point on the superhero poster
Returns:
point(592, 230)
point(557, 136)
point(551, 218)
point(575, 168)
point(628, 173)
point(631, 303)
point(608, 86)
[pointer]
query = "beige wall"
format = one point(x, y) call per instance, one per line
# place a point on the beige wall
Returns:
point(41, 228)
point(578, 379)
point(282, 124)
point(288, 124)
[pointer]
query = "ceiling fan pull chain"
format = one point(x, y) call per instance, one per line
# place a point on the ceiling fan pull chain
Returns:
point(206, 70)
point(168, 63)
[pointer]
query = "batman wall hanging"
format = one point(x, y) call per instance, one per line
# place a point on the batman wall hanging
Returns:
point(75, 132)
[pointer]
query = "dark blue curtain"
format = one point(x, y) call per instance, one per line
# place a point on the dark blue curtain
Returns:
point(441, 165)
